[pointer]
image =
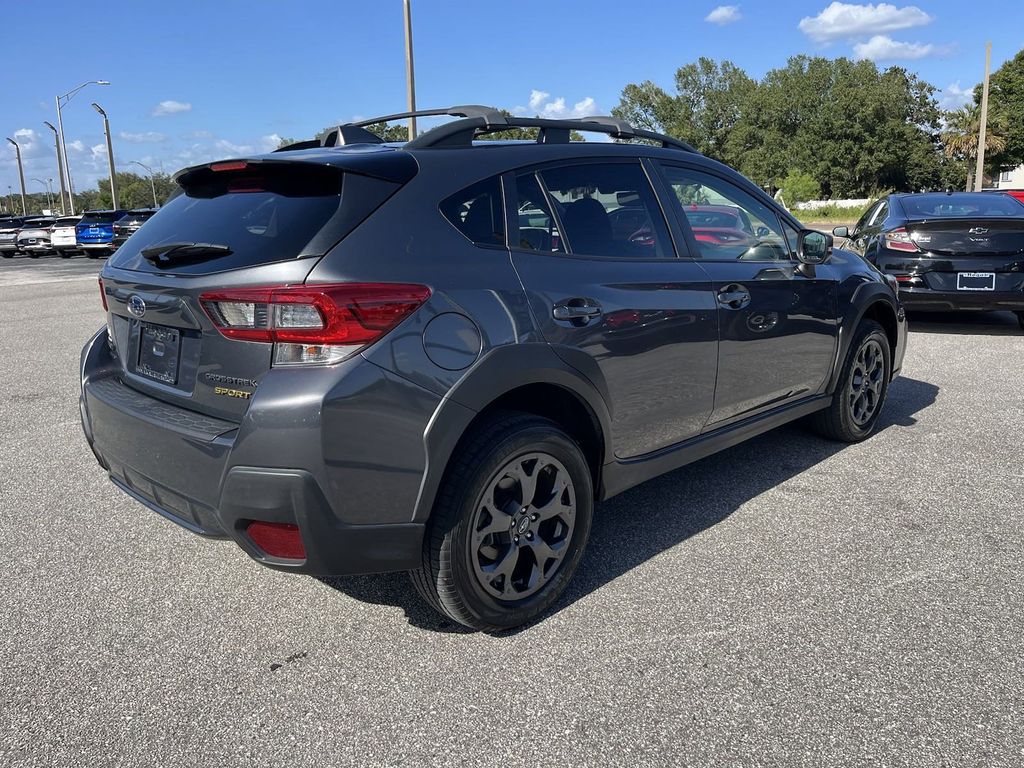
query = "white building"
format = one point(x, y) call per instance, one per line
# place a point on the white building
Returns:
point(1010, 179)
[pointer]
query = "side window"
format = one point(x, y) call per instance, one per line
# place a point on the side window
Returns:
point(727, 223)
point(880, 213)
point(477, 212)
point(607, 209)
point(862, 223)
point(792, 237)
point(537, 228)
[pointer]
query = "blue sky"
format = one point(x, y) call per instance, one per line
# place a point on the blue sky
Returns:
point(192, 81)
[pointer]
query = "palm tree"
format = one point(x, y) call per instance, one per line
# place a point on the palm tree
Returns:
point(960, 139)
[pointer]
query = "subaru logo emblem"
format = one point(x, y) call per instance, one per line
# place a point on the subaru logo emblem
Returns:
point(977, 230)
point(136, 305)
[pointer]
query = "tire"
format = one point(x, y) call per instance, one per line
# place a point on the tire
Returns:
point(858, 399)
point(490, 560)
point(1020, 320)
point(7, 255)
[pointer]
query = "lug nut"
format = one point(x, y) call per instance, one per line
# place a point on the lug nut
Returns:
point(522, 511)
point(529, 535)
point(534, 516)
point(515, 539)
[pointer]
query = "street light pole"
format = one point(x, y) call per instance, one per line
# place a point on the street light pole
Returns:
point(410, 76)
point(152, 184)
point(63, 143)
point(49, 195)
point(60, 168)
point(21, 174)
point(110, 154)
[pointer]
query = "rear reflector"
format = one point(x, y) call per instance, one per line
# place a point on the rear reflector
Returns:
point(103, 295)
point(277, 539)
point(313, 324)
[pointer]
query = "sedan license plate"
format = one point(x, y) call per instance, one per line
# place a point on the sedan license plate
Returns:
point(976, 281)
point(158, 353)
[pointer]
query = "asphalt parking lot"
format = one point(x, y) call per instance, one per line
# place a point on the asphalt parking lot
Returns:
point(790, 601)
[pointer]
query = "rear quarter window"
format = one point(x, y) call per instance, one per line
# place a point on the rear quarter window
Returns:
point(477, 212)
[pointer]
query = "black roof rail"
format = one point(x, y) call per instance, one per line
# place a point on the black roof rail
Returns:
point(479, 120)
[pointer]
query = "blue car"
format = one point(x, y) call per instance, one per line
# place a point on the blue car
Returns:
point(95, 232)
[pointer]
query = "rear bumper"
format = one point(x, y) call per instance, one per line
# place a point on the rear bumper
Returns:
point(200, 473)
point(95, 246)
point(924, 298)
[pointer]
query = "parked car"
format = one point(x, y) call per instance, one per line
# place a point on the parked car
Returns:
point(63, 237)
point(34, 236)
point(128, 224)
point(95, 232)
point(9, 227)
point(947, 251)
point(394, 378)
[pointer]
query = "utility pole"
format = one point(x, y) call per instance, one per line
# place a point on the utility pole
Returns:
point(62, 101)
point(110, 155)
point(21, 174)
point(410, 76)
point(152, 184)
point(49, 193)
point(979, 172)
point(60, 168)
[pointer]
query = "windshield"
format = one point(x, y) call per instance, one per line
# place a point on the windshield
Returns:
point(100, 217)
point(960, 206)
point(262, 217)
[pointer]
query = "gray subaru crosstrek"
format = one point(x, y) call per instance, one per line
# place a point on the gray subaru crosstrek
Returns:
point(438, 356)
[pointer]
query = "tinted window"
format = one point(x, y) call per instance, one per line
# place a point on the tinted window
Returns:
point(952, 206)
point(477, 212)
point(263, 216)
point(727, 223)
point(607, 210)
point(537, 228)
point(101, 217)
point(880, 214)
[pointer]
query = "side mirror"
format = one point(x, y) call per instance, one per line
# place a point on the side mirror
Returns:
point(813, 247)
point(841, 232)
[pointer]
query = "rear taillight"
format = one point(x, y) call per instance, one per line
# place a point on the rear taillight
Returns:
point(103, 295)
point(313, 324)
point(899, 240)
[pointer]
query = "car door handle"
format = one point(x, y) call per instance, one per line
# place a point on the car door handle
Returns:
point(581, 311)
point(734, 297)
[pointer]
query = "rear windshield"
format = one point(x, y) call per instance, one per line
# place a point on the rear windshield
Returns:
point(101, 217)
point(68, 221)
point(960, 206)
point(10, 223)
point(39, 223)
point(263, 214)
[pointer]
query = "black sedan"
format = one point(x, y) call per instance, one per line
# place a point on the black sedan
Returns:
point(947, 251)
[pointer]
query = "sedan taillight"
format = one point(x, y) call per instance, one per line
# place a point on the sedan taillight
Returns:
point(313, 324)
point(899, 240)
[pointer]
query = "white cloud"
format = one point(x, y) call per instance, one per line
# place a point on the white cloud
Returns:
point(76, 146)
point(98, 150)
point(541, 104)
point(236, 149)
point(884, 48)
point(953, 96)
point(724, 14)
point(270, 142)
point(841, 21)
point(145, 137)
point(199, 135)
point(171, 107)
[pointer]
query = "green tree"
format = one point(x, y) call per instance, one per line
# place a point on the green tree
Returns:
point(799, 187)
point(710, 100)
point(960, 138)
point(1006, 110)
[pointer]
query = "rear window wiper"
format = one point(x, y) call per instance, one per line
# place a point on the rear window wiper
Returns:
point(169, 253)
